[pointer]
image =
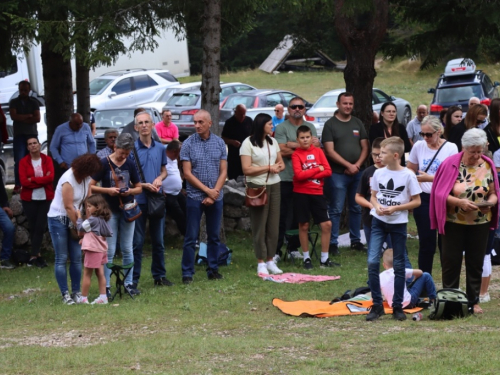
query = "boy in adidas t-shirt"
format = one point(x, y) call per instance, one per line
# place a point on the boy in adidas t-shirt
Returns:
point(395, 190)
point(310, 167)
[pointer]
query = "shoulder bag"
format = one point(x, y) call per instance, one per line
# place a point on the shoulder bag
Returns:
point(434, 158)
point(130, 211)
point(257, 197)
point(155, 201)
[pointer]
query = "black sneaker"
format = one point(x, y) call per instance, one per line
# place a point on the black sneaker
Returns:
point(41, 263)
point(328, 263)
point(398, 313)
point(376, 312)
point(186, 280)
point(214, 275)
point(333, 249)
point(6, 264)
point(308, 264)
point(163, 282)
point(108, 293)
point(131, 290)
point(358, 246)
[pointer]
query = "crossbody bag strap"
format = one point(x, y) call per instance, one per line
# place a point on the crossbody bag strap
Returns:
point(434, 158)
point(138, 163)
point(114, 178)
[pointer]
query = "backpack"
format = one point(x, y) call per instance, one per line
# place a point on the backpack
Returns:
point(449, 304)
point(224, 256)
point(351, 294)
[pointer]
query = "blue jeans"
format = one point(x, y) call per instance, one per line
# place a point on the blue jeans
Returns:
point(20, 149)
point(125, 230)
point(64, 247)
point(426, 283)
point(380, 230)
point(213, 214)
point(8, 230)
point(156, 228)
point(341, 185)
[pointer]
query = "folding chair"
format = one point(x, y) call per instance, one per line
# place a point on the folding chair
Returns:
point(313, 239)
point(121, 272)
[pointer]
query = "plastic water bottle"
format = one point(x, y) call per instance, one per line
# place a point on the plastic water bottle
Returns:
point(417, 316)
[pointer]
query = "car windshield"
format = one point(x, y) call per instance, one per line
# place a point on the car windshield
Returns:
point(326, 101)
point(458, 93)
point(98, 85)
point(114, 118)
point(183, 100)
point(234, 100)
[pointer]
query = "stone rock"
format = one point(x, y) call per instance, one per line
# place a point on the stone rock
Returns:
point(47, 242)
point(234, 196)
point(21, 219)
point(21, 236)
point(15, 205)
point(245, 212)
point(229, 224)
point(244, 224)
point(232, 211)
point(171, 229)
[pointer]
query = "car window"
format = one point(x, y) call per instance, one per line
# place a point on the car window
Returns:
point(167, 94)
point(233, 100)
point(380, 97)
point(226, 91)
point(327, 101)
point(242, 88)
point(143, 82)
point(122, 87)
point(98, 85)
point(288, 96)
point(183, 100)
point(274, 99)
point(169, 77)
point(457, 93)
point(488, 86)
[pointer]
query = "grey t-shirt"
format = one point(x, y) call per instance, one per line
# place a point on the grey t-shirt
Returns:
point(287, 132)
point(24, 107)
point(346, 137)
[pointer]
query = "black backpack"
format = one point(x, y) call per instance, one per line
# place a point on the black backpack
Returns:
point(450, 304)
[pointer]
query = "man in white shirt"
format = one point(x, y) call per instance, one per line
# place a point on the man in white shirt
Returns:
point(414, 127)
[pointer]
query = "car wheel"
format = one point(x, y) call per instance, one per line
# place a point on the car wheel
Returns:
point(406, 116)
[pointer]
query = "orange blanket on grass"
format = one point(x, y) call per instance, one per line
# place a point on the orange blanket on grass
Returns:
point(323, 309)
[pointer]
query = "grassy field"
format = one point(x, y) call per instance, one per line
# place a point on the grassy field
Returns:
point(230, 326)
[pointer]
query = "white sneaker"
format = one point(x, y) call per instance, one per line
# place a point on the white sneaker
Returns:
point(484, 298)
point(67, 300)
point(296, 254)
point(272, 268)
point(100, 301)
point(261, 268)
point(276, 259)
point(78, 298)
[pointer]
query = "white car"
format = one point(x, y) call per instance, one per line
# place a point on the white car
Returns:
point(127, 88)
point(325, 107)
point(168, 92)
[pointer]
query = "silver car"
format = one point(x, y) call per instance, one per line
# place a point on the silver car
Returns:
point(325, 107)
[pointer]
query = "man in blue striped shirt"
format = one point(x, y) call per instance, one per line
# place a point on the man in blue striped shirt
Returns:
point(204, 160)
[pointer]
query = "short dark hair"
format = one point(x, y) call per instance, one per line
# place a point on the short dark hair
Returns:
point(376, 142)
point(296, 98)
point(174, 146)
point(22, 83)
point(346, 94)
point(303, 129)
point(98, 201)
point(31, 137)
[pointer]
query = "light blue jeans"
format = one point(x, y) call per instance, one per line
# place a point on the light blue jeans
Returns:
point(64, 247)
point(125, 230)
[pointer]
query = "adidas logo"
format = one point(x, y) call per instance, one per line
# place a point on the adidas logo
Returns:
point(390, 191)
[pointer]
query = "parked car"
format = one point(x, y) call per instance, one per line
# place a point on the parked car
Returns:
point(117, 118)
point(186, 103)
point(257, 101)
point(460, 82)
point(325, 107)
point(131, 87)
point(162, 100)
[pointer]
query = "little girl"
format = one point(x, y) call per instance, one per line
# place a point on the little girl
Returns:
point(94, 245)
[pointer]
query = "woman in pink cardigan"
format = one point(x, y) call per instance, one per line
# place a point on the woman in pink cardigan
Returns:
point(463, 207)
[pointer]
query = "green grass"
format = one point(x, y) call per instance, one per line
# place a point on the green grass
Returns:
point(230, 326)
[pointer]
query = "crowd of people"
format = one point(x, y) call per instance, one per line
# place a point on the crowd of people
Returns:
point(449, 183)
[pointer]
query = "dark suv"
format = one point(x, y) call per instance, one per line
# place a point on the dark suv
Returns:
point(460, 82)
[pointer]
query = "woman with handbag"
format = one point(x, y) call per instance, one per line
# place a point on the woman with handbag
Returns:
point(425, 158)
point(119, 183)
point(72, 189)
point(36, 174)
point(261, 162)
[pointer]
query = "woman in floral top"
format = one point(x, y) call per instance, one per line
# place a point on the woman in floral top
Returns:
point(464, 206)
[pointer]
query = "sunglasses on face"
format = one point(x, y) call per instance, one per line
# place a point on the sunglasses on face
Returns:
point(479, 122)
point(297, 106)
point(426, 135)
point(376, 156)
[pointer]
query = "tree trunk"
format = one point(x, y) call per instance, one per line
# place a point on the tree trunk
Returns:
point(82, 82)
point(361, 35)
point(210, 88)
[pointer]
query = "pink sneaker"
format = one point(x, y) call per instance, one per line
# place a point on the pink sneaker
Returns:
point(100, 301)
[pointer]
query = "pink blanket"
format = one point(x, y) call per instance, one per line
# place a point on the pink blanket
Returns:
point(296, 278)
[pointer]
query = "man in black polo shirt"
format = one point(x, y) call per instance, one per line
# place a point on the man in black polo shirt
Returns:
point(25, 112)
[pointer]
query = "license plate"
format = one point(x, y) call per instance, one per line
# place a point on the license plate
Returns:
point(175, 117)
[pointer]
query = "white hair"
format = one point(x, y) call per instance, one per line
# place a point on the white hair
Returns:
point(434, 123)
point(474, 137)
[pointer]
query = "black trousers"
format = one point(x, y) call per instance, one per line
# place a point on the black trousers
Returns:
point(175, 207)
point(287, 219)
point(36, 213)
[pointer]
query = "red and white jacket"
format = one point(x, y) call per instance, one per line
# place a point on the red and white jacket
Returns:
point(26, 171)
point(307, 178)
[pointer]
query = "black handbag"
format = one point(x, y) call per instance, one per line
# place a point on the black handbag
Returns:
point(130, 211)
point(155, 201)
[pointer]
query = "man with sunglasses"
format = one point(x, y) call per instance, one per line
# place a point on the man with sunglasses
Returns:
point(110, 136)
point(279, 115)
point(286, 136)
point(346, 147)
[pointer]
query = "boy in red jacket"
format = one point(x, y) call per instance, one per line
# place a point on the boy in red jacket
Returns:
point(310, 167)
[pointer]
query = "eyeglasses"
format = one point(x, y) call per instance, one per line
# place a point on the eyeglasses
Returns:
point(479, 122)
point(427, 135)
point(297, 106)
point(112, 136)
point(277, 110)
point(143, 122)
point(376, 156)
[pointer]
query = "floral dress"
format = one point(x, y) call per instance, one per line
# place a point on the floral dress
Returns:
point(472, 183)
